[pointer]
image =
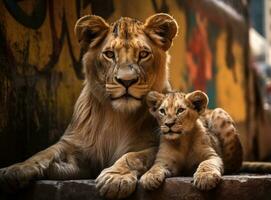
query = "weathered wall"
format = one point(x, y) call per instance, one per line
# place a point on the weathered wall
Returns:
point(40, 69)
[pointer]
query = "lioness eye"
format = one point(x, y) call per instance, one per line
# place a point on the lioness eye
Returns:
point(109, 54)
point(143, 54)
point(162, 111)
point(180, 110)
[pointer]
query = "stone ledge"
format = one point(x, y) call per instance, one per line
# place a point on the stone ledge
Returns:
point(248, 187)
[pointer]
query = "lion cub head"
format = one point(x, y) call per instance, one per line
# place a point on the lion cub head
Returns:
point(176, 112)
point(124, 60)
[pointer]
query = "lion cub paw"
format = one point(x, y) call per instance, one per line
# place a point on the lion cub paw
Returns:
point(206, 180)
point(152, 179)
point(116, 183)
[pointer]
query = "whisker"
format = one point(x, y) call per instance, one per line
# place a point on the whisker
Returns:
point(112, 89)
point(141, 87)
point(112, 86)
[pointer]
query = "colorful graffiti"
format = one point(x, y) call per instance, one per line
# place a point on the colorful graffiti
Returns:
point(41, 72)
point(37, 18)
point(199, 55)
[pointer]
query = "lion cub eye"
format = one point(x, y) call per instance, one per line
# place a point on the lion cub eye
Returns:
point(180, 110)
point(109, 54)
point(162, 111)
point(143, 54)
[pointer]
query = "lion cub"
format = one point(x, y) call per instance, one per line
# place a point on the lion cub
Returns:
point(193, 140)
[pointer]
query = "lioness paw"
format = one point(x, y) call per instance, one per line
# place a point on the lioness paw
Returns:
point(152, 179)
point(206, 180)
point(16, 176)
point(116, 183)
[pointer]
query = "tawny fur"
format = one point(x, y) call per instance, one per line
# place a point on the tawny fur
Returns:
point(111, 133)
point(192, 141)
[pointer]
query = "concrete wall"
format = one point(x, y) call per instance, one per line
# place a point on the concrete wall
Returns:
point(40, 69)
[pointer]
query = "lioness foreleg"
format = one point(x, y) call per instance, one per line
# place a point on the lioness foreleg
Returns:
point(54, 163)
point(119, 180)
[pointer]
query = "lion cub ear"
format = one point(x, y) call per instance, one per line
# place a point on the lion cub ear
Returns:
point(198, 99)
point(161, 28)
point(154, 100)
point(90, 30)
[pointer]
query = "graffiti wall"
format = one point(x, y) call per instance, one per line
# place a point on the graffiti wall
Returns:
point(41, 73)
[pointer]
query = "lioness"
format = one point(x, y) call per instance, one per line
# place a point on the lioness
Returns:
point(111, 126)
point(111, 134)
point(190, 144)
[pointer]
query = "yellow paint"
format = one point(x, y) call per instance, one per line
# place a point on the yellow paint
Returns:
point(230, 94)
point(64, 93)
point(65, 97)
point(177, 51)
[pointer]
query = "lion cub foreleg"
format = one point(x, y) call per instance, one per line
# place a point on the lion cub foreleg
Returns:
point(168, 162)
point(119, 180)
point(209, 171)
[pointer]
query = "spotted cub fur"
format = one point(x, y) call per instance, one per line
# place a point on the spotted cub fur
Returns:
point(193, 140)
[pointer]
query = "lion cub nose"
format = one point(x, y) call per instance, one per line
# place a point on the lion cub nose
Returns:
point(169, 125)
point(126, 83)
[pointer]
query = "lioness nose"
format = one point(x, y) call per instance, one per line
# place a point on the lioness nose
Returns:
point(169, 125)
point(127, 83)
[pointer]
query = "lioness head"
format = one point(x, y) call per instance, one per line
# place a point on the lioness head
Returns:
point(126, 59)
point(176, 112)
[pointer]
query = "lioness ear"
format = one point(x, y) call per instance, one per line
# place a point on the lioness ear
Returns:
point(90, 30)
point(199, 100)
point(161, 28)
point(154, 100)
